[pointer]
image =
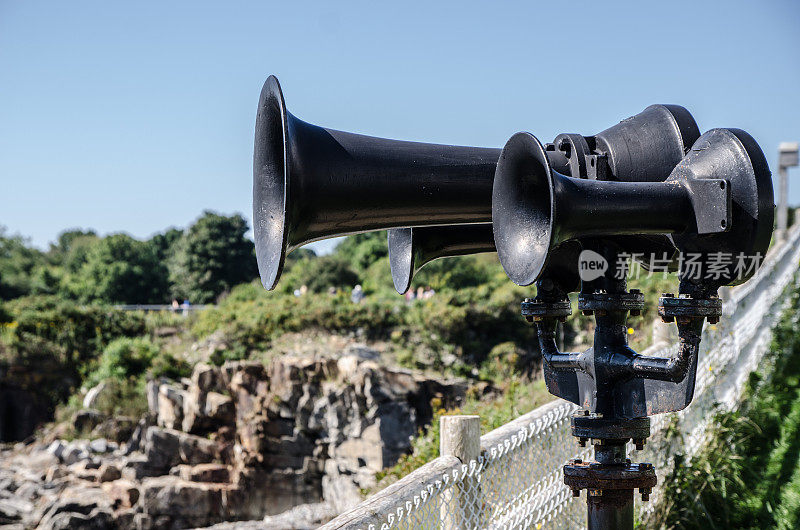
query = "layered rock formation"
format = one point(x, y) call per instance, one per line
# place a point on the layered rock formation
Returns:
point(239, 442)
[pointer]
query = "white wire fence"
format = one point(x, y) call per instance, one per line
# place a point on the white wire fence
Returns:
point(517, 481)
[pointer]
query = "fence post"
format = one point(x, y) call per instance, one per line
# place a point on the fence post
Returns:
point(460, 436)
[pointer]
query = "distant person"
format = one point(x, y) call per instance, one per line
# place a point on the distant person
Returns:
point(332, 290)
point(420, 293)
point(185, 305)
point(297, 293)
point(410, 296)
point(358, 294)
point(428, 294)
point(175, 305)
point(303, 290)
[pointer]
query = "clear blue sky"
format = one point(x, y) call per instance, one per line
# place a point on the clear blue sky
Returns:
point(135, 116)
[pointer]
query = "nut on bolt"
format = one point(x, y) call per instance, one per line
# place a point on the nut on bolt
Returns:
point(576, 492)
point(582, 441)
point(645, 493)
point(639, 443)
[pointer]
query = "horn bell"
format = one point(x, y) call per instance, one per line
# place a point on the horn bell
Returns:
point(312, 183)
point(411, 248)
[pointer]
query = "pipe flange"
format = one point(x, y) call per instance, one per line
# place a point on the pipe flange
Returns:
point(579, 475)
point(596, 427)
point(536, 310)
point(592, 302)
point(684, 306)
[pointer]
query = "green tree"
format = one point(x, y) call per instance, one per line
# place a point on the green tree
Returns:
point(362, 250)
point(17, 263)
point(320, 274)
point(121, 269)
point(164, 244)
point(211, 257)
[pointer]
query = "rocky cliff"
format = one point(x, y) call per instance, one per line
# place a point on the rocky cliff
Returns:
point(243, 441)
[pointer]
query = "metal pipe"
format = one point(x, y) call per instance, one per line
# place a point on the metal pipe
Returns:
point(556, 359)
point(610, 509)
point(671, 368)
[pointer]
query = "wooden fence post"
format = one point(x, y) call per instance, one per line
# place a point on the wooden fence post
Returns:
point(460, 436)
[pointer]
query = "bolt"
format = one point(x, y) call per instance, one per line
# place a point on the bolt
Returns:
point(538, 319)
point(645, 493)
point(577, 461)
point(576, 492)
point(586, 412)
point(646, 466)
point(639, 443)
point(582, 442)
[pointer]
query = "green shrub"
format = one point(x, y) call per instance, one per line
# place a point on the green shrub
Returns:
point(71, 333)
point(748, 475)
point(124, 358)
point(134, 358)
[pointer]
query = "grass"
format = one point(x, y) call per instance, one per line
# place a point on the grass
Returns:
point(748, 476)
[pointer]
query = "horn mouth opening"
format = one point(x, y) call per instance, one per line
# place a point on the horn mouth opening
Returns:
point(270, 183)
point(401, 257)
point(523, 205)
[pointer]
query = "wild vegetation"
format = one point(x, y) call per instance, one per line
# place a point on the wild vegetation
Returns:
point(56, 309)
point(748, 476)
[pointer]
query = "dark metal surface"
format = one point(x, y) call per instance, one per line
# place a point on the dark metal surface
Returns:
point(634, 188)
point(594, 426)
point(411, 248)
point(732, 155)
point(312, 183)
point(534, 209)
point(597, 476)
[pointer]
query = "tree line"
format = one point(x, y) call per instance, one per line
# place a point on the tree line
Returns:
point(197, 264)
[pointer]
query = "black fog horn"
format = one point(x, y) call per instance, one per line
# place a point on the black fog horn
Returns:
point(717, 198)
point(643, 147)
point(312, 183)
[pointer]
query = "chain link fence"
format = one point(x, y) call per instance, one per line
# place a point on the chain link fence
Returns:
point(517, 482)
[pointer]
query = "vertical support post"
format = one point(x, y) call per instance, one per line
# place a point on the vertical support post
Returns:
point(783, 213)
point(788, 156)
point(460, 436)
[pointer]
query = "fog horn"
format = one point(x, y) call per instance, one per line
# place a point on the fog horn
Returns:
point(312, 183)
point(644, 147)
point(534, 208)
